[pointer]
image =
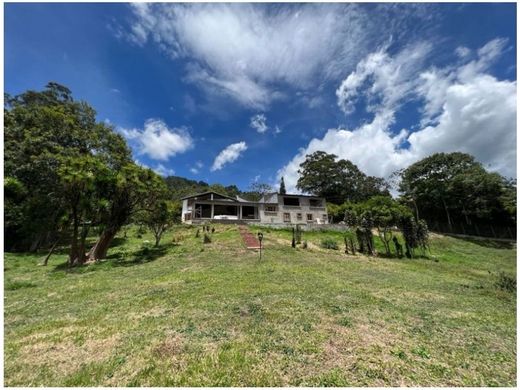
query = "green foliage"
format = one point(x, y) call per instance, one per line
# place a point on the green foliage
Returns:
point(455, 187)
point(50, 140)
point(282, 189)
point(385, 214)
point(256, 191)
point(329, 243)
point(337, 181)
point(160, 216)
point(207, 238)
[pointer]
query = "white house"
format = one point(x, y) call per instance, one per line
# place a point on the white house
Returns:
point(271, 208)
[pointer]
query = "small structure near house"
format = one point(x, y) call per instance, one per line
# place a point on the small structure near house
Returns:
point(275, 208)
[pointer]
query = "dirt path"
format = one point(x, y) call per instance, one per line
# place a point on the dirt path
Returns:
point(249, 239)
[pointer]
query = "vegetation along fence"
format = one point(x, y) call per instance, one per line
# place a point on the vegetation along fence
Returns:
point(481, 230)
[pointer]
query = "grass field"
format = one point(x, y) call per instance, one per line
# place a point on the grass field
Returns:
point(195, 314)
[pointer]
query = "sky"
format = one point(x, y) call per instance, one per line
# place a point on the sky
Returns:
point(241, 93)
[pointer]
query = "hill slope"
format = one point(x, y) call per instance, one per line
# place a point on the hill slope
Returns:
point(215, 315)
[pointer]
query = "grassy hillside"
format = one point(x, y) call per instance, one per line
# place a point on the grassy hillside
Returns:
point(197, 314)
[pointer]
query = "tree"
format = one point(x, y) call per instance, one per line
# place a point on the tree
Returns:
point(256, 191)
point(386, 214)
point(129, 190)
point(159, 218)
point(80, 179)
point(457, 186)
point(337, 181)
point(45, 131)
point(282, 187)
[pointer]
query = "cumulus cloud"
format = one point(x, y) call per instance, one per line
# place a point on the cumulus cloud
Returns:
point(258, 122)
point(245, 50)
point(157, 140)
point(464, 109)
point(197, 167)
point(228, 155)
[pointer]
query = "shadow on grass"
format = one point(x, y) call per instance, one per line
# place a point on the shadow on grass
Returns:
point(489, 242)
point(118, 259)
point(141, 256)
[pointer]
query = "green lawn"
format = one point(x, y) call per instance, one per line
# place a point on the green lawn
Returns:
point(194, 314)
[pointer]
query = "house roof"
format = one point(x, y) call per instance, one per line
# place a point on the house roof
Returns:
point(206, 193)
point(267, 198)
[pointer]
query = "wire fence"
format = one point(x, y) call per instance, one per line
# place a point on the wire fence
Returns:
point(475, 229)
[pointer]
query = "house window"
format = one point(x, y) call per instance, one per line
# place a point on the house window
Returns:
point(309, 217)
point(271, 209)
point(187, 216)
point(286, 217)
point(299, 216)
point(315, 202)
point(291, 201)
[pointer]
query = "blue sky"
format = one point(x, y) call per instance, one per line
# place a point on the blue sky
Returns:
point(240, 93)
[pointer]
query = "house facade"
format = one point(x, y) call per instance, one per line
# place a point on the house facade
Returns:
point(271, 208)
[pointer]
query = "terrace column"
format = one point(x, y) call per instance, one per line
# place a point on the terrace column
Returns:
point(212, 211)
point(239, 212)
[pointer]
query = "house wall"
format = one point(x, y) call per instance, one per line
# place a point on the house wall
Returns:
point(319, 214)
point(185, 209)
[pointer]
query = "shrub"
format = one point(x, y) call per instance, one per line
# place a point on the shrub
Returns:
point(197, 234)
point(329, 243)
point(304, 245)
point(207, 238)
point(506, 282)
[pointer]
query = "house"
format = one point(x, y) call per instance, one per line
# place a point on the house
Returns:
point(271, 208)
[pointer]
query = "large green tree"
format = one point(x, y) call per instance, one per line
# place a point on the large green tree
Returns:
point(65, 171)
point(338, 181)
point(43, 131)
point(457, 186)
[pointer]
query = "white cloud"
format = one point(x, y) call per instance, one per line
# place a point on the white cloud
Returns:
point(163, 171)
point(228, 155)
point(258, 122)
point(462, 51)
point(390, 78)
point(196, 169)
point(158, 141)
point(464, 109)
point(244, 50)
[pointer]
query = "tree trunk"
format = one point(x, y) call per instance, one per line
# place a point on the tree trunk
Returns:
point(35, 245)
point(50, 252)
point(416, 210)
point(73, 254)
point(81, 252)
point(100, 248)
point(447, 213)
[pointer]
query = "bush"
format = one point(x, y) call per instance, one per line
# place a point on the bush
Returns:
point(207, 238)
point(329, 243)
point(304, 245)
point(506, 282)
